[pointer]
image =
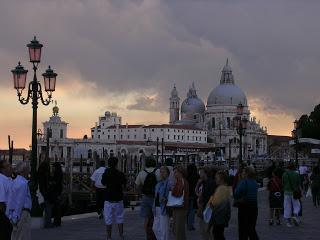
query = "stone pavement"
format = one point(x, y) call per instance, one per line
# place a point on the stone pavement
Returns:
point(90, 228)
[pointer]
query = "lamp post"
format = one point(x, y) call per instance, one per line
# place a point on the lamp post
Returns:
point(162, 151)
point(240, 123)
point(296, 140)
point(34, 94)
point(157, 150)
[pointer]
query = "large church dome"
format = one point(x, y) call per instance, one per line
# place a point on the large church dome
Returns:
point(192, 104)
point(227, 93)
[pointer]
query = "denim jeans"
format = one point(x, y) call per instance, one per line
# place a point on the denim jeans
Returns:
point(191, 214)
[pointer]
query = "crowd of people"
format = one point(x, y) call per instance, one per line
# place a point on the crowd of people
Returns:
point(286, 189)
point(172, 197)
point(16, 202)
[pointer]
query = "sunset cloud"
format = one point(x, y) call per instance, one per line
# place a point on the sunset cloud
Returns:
point(125, 56)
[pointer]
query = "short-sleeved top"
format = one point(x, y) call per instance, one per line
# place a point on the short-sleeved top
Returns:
point(142, 176)
point(97, 176)
point(247, 188)
point(303, 170)
point(20, 199)
point(291, 182)
point(114, 180)
point(4, 189)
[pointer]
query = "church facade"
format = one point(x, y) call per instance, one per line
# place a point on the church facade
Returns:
point(216, 117)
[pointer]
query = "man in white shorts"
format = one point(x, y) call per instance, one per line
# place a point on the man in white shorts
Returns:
point(115, 181)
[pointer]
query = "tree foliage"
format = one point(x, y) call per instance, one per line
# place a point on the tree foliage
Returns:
point(309, 125)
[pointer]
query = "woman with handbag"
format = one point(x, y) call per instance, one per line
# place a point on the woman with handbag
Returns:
point(220, 204)
point(204, 190)
point(180, 189)
point(246, 199)
point(161, 217)
point(275, 198)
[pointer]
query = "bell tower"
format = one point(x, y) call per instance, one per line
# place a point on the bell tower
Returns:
point(174, 106)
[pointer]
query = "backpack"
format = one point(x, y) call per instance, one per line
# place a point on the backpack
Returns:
point(150, 183)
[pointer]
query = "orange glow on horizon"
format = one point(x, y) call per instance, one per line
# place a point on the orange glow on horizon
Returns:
point(81, 115)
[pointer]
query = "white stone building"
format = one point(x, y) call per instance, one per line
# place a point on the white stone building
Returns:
point(130, 143)
point(110, 129)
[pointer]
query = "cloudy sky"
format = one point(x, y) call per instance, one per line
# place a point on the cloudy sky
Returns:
point(125, 56)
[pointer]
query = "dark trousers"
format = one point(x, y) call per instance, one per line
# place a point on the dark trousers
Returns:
point(247, 220)
point(47, 214)
point(100, 196)
point(191, 213)
point(57, 213)
point(5, 227)
point(149, 231)
point(315, 196)
point(218, 232)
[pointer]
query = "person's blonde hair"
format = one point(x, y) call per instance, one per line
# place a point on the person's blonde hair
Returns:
point(221, 194)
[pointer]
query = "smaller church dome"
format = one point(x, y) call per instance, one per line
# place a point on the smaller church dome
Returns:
point(192, 104)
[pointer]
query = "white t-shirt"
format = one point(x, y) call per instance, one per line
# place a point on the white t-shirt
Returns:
point(303, 170)
point(233, 172)
point(97, 176)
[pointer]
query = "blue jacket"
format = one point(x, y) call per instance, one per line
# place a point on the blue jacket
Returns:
point(163, 188)
point(247, 189)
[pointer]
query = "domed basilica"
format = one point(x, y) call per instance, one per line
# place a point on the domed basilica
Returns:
point(218, 115)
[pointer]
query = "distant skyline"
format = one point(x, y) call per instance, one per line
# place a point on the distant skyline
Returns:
point(125, 55)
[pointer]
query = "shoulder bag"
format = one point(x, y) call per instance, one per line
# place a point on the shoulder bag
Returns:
point(175, 201)
point(278, 193)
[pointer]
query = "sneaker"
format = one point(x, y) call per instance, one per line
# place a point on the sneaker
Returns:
point(289, 225)
point(296, 221)
point(271, 222)
point(278, 222)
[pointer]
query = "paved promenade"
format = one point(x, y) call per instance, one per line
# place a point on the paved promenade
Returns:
point(88, 227)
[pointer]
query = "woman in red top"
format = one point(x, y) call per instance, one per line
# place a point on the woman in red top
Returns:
point(179, 214)
point(275, 198)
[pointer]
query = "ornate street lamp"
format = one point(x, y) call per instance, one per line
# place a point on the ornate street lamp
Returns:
point(34, 94)
point(240, 123)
